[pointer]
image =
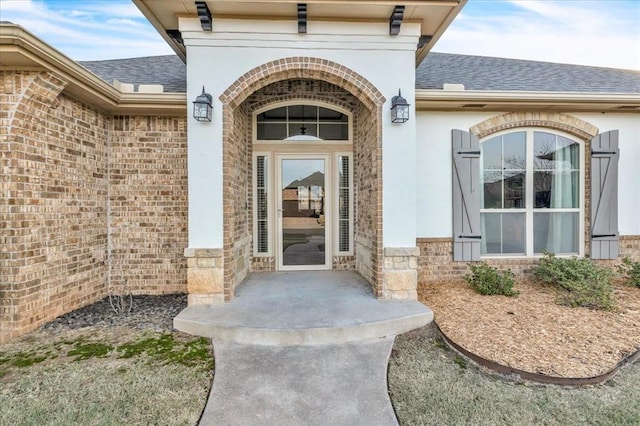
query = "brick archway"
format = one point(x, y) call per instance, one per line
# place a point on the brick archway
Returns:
point(237, 157)
point(302, 67)
point(552, 120)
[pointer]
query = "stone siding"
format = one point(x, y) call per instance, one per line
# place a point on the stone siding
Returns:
point(401, 272)
point(205, 276)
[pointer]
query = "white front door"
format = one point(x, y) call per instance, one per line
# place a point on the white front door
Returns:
point(303, 212)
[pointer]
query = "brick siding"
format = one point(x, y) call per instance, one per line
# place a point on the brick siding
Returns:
point(301, 78)
point(436, 265)
point(57, 182)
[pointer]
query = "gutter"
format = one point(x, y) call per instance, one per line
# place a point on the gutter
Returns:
point(431, 99)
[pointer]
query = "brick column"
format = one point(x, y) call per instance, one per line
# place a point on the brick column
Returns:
point(205, 276)
point(401, 272)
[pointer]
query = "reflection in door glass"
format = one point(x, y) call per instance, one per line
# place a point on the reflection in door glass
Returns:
point(303, 212)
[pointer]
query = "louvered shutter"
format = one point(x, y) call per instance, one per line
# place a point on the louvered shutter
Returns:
point(466, 196)
point(604, 195)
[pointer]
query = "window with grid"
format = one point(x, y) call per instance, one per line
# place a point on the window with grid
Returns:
point(531, 196)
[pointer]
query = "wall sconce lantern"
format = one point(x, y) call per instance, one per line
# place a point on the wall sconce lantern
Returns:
point(399, 109)
point(202, 108)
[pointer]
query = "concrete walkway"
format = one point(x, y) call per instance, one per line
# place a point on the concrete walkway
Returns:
point(302, 348)
point(342, 384)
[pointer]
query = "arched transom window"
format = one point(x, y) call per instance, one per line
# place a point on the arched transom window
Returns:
point(532, 194)
point(302, 122)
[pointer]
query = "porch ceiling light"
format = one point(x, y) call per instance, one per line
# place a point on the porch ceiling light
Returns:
point(202, 108)
point(399, 109)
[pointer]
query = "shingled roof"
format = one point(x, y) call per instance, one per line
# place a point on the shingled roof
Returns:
point(501, 74)
point(168, 70)
point(475, 72)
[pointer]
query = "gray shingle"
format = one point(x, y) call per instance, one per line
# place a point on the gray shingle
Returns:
point(475, 72)
point(487, 73)
point(167, 70)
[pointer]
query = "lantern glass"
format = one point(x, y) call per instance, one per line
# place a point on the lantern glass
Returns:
point(202, 108)
point(399, 109)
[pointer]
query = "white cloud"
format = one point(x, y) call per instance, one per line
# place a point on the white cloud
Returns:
point(578, 32)
point(601, 33)
point(88, 30)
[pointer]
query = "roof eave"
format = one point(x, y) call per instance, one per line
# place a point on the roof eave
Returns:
point(22, 50)
point(422, 52)
point(178, 48)
point(480, 100)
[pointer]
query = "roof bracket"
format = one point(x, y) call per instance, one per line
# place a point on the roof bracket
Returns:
point(423, 40)
point(395, 20)
point(302, 18)
point(205, 15)
point(176, 36)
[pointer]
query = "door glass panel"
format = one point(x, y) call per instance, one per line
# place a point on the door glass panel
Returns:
point(303, 215)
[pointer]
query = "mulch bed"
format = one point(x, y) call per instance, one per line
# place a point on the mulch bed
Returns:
point(532, 333)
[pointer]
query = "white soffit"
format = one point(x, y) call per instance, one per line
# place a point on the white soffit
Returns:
point(433, 15)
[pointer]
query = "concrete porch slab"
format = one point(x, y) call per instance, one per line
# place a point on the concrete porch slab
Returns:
point(303, 308)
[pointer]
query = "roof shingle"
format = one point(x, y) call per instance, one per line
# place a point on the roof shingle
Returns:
point(501, 74)
point(168, 70)
point(475, 72)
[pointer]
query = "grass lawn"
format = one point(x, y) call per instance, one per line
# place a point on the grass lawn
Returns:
point(104, 377)
point(123, 375)
point(432, 385)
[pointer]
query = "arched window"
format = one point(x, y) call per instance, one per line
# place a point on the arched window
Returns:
point(302, 123)
point(532, 194)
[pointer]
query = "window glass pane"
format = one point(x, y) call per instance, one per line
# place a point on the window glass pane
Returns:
point(277, 114)
point(309, 121)
point(338, 131)
point(556, 232)
point(300, 112)
point(503, 233)
point(514, 151)
point(326, 114)
point(567, 154)
point(492, 153)
point(514, 184)
point(513, 233)
point(554, 152)
point(544, 144)
point(556, 189)
point(308, 129)
point(492, 193)
point(271, 131)
point(491, 233)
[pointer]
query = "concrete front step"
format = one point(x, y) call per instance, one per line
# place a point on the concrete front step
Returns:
point(303, 308)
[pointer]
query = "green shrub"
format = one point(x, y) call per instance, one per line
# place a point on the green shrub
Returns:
point(631, 271)
point(580, 281)
point(488, 281)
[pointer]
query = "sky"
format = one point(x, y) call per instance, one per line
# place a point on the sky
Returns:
point(585, 32)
